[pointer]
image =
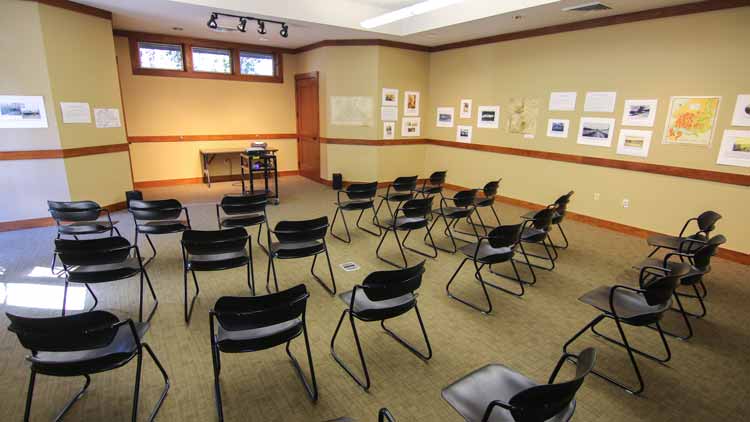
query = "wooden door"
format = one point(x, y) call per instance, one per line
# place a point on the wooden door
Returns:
point(308, 125)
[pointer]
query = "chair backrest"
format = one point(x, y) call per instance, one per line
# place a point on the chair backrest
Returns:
point(543, 218)
point(707, 221)
point(437, 178)
point(491, 188)
point(100, 251)
point(542, 402)
point(464, 198)
point(562, 203)
point(702, 257)
point(89, 330)
point(244, 204)
point(301, 231)
point(384, 285)
point(659, 289)
point(74, 210)
point(213, 242)
point(244, 313)
point(402, 184)
point(505, 236)
point(163, 209)
point(362, 190)
point(417, 207)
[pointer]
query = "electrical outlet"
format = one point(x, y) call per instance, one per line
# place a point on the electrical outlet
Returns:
point(626, 203)
point(596, 196)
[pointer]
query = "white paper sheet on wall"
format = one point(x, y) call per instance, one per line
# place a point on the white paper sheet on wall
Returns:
point(75, 112)
point(562, 101)
point(389, 114)
point(352, 111)
point(601, 102)
point(107, 117)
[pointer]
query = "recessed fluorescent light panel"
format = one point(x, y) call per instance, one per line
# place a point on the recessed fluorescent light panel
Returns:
point(407, 12)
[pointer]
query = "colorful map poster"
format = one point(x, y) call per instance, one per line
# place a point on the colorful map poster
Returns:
point(691, 120)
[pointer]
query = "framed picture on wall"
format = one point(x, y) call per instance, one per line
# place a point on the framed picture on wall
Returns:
point(735, 148)
point(22, 112)
point(558, 128)
point(389, 97)
point(488, 117)
point(411, 126)
point(741, 115)
point(389, 130)
point(463, 134)
point(691, 120)
point(596, 131)
point(634, 142)
point(465, 109)
point(411, 103)
point(639, 113)
point(445, 116)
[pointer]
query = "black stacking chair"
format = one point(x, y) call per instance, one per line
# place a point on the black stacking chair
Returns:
point(158, 217)
point(361, 198)
point(102, 260)
point(700, 265)
point(487, 200)
point(382, 295)
point(557, 218)
point(433, 185)
point(300, 239)
point(385, 416)
point(496, 393)
point(683, 242)
point(82, 345)
point(214, 250)
point(400, 190)
point(78, 218)
point(497, 247)
point(461, 207)
point(637, 307)
point(536, 231)
point(244, 211)
point(414, 216)
point(251, 324)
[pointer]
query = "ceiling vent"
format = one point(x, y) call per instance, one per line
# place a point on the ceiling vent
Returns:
point(588, 7)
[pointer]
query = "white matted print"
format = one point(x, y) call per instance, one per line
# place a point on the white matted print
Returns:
point(639, 113)
point(562, 101)
point(601, 102)
point(445, 116)
point(411, 126)
point(463, 134)
point(22, 111)
point(596, 131)
point(735, 148)
point(465, 109)
point(634, 142)
point(488, 117)
point(389, 97)
point(741, 115)
point(411, 103)
point(558, 128)
point(389, 130)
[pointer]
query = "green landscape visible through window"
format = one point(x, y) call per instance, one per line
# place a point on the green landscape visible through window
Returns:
point(160, 56)
point(212, 60)
point(256, 64)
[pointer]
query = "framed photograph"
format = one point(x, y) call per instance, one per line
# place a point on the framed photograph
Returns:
point(562, 101)
point(465, 109)
point(463, 134)
point(691, 120)
point(639, 113)
point(389, 97)
point(558, 128)
point(600, 102)
point(22, 112)
point(411, 126)
point(411, 103)
point(389, 130)
point(735, 148)
point(488, 117)
point(596, 131)
point(741, 116)
point(445, 116)
point(634, 142)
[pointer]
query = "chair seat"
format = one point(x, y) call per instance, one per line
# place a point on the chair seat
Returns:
point(297, 249)
point(630, 306)
point(453, 212)
point(691, 277)
point(483, 202)
point(356, 204)
point(405, 223)
point(398, 196)
point(257, 338)
point(533, 235)
point(104, 273)
point(119, 352)
point(219, 261)
point(673, 242)
point(86, 227)
point(471, 394)
point(243, 220)
point(368, 310)
point(487, 254)
point(162, 227)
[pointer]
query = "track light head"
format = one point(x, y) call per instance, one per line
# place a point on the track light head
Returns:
point(284, 30)
point(242, 24)
point(212, 22)
point(261, 27)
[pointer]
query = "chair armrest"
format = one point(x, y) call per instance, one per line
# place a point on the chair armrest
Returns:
point(354, 295)
point(491, 407)
point(559, 364)
point(338, 196)
point(109, 215)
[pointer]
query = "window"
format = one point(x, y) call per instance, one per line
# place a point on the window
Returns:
point(256, 64)
point(212, 60)
point(160, 56)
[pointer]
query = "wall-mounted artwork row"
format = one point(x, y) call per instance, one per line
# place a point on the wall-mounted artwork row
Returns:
point(22, 112)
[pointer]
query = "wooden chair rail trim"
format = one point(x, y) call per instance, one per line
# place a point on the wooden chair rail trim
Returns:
point(31, 223)
point(198, 138)
point(374, 142)
point(47, 154)
point(196, 180)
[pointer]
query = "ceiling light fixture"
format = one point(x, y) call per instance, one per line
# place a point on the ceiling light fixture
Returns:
point(213, 24)
point(407, 12)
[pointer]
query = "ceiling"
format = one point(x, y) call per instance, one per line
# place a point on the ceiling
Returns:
point(311, 21)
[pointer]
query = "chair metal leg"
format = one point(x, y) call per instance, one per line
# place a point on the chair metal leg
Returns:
point(65, 297)
point(72, 401)
point(137, 388)
point(29, 396)
point(404, 343)
point(96, 299)
point(312, 390)
point(366, 383)
point(153, 249)
point(346, 227)
point(153, 296)
point(698, 296)
point(398, 242)
point(377, 223)
point(331, 291)
point(260, 230)
point(166, 381)
point(685, 318)
point(250, 268)
point(189, 311)
point(377, 210)
point(469, 304)
point(633, 349)
point(656, 249)
point(271, 269)
point(217, 385)
point(565, 238)
point(547, 258)
point(517, 278)
point(417, 251)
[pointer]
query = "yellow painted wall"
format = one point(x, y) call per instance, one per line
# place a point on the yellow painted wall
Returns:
point(104, 178)
point(700, 54)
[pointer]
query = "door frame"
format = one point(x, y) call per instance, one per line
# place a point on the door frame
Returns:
point(297, 77)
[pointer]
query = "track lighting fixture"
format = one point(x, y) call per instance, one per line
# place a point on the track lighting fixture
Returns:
point(213, 24)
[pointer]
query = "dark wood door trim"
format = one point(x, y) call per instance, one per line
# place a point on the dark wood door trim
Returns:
point(315, 75)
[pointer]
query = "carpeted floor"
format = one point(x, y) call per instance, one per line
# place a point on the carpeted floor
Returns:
point(707, 378)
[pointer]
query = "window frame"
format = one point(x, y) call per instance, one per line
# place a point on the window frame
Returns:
point(231, 60)
point(187, 45)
